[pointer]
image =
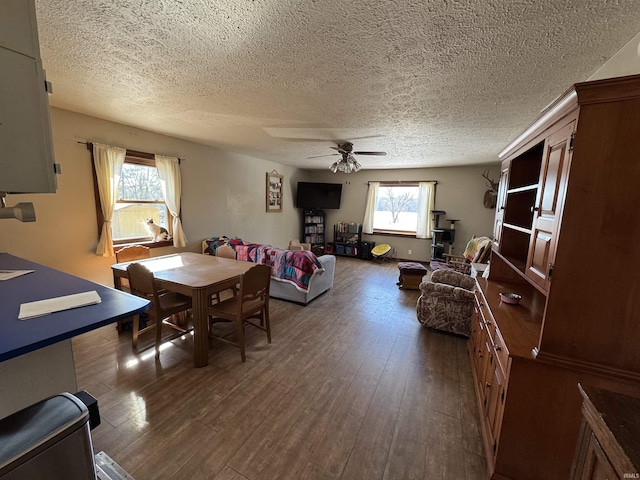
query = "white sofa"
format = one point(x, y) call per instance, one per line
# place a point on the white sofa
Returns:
point(320, 282)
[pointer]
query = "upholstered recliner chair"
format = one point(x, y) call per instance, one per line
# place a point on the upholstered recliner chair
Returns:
point(477, 250)
point(446, 302)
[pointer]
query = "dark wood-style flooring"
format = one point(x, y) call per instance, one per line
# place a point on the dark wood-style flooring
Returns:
point(352, 387)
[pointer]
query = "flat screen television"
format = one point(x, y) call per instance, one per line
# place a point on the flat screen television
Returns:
point(318, 196)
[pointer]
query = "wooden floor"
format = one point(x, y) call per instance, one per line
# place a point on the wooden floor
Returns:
point(352, 387)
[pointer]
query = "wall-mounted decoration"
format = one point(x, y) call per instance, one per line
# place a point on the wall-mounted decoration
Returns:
point(491, 195)
point(274, 192)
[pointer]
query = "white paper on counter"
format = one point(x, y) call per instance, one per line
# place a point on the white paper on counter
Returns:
point(8, 274)
point(57, 304)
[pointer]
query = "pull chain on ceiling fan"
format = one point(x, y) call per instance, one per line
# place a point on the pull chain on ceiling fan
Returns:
point(347, 162)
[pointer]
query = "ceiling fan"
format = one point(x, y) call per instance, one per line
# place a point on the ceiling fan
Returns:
point(347, 163)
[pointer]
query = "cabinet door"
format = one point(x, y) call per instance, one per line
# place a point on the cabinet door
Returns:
point(18, 30)
point(597, 466)
point(500, 204)
point(548, 207)
point(495, 400)
point(476, 336)
point(26, 158)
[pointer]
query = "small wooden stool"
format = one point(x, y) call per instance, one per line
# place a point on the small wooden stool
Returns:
point(411, 274)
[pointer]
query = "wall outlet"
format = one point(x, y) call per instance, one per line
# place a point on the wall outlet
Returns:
point(409, 252)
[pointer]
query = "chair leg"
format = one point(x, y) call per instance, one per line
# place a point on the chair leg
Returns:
point(158, 336)
point(267, 324)
point(135, 331)
point(240, 324)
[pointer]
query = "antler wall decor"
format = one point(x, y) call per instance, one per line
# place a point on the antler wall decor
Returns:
point(491, 195)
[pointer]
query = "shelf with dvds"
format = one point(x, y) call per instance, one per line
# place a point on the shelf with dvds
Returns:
point(313, 222)
point(347, 237)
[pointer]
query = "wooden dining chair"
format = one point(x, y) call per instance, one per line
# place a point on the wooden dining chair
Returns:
point(163, 305)
point(226, 251)
point(129, 253)
point(249, 307)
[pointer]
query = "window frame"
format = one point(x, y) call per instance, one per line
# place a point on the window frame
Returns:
point(136, 158)
point(397, 233)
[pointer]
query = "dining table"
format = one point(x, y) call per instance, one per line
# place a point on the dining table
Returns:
point(196, 275)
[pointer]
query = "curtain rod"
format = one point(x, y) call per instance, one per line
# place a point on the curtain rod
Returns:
point(133, 153)
point(401, 181)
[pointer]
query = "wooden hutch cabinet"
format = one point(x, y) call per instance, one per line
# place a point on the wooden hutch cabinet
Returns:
point(567, 238)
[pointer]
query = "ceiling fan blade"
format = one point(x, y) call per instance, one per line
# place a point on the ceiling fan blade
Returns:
point(320, 156)
point(339, 149)
point(370, 153)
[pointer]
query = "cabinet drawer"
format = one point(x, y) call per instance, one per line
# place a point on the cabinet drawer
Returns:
point(501, 351)
point(485, 317)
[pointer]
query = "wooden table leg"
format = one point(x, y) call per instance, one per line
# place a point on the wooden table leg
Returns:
point(117, 284)
point(200, 299)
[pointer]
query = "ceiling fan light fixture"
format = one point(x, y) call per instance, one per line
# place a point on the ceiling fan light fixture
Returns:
point(347, 162)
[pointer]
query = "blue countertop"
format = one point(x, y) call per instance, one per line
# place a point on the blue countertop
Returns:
point(18, 337)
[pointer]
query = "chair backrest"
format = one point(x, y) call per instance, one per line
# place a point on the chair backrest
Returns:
point(295, 245)
point(142, 283)
point(254, 286)
point(132, 252)
point(226, 251)
point(381, 249)
point(477, 249)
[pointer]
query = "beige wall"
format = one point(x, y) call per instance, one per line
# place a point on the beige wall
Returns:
point(625, 62)
point(460, 193)
point(223, 194)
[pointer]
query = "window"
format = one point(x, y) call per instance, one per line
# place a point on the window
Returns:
point(139, 198)
point(399, 208)
point(396, 209)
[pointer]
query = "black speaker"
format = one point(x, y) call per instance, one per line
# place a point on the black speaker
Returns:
point(365, 250)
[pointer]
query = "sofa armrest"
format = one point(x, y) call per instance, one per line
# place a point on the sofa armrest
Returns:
point(448, 292)
point(453, 278)
point(328, 263)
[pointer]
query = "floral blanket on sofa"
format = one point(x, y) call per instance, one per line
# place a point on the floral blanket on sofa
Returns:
point(296, 267)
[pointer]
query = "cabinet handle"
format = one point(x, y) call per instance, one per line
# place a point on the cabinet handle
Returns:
point(498, 348)
point(534, 209)
point(488, 385)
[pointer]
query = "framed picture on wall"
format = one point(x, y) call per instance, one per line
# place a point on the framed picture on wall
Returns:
point(274, 192)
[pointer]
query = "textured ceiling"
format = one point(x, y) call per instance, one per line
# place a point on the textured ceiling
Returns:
point(433, 83)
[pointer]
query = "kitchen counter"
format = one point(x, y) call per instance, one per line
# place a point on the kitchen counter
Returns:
point(36, 359)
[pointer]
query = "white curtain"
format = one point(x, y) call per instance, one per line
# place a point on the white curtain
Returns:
point(372, 197)
point(171, 184)
point(426, 202)
point(108, 163)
